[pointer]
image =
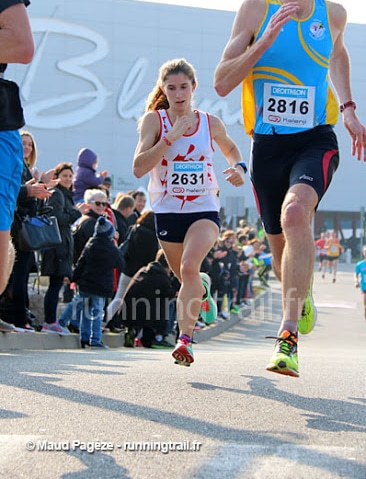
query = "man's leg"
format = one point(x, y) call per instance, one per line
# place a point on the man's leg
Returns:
point(297, 265)
point(298, 256)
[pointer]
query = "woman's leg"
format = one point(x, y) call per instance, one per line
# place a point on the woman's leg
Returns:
point(51, 299)
point(20, 287)
point(185, 260)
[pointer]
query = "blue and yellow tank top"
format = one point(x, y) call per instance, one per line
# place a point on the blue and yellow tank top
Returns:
point(287, 90)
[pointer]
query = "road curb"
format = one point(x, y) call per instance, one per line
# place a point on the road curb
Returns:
point(46, 341)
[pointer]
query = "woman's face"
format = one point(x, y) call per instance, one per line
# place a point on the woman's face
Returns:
point(98, 205)
point(27, 146)
point(65, 178)
point(178, 89)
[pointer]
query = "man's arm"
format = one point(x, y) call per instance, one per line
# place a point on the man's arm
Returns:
point(240, 55)
point(16, 39)
point(340, 76)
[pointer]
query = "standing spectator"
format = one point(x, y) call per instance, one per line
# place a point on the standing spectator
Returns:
point(96, 201)
point(122, 209)
point(94, 275)
point(84, 229)
point(30, 191)
point(86, 176)
point(57, 261)
point(16, 46)
point(360, 277)
point(140, 203)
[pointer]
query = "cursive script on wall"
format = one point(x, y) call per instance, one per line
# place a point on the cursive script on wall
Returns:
point(77, 107)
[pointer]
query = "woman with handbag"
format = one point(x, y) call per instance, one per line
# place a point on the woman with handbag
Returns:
point(15, 297)
point(57, 262)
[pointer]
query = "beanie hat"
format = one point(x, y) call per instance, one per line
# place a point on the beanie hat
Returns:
point(86, 157)
point(104, 227)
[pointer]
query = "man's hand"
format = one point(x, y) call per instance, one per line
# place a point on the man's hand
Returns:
point(357, 132)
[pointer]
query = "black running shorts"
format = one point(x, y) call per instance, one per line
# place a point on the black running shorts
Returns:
point(280, 161)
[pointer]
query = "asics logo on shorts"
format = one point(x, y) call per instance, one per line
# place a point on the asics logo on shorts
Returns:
point(304, 177)
point(163, 233)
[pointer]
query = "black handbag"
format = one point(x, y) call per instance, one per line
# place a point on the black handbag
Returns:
point(38, 232)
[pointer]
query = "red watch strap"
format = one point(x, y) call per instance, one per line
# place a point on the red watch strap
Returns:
point(348, 104)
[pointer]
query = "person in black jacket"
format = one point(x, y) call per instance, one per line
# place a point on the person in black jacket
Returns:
point(146, 304)
point(57, 261)
point(97, 201)
point(122, 209)
point(94, 275)
point(31, 190)
point(141, 249)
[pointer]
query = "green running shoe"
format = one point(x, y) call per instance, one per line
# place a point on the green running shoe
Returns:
point(208, 311)
point(284, 358)
point(309, 313)
point(183, 353)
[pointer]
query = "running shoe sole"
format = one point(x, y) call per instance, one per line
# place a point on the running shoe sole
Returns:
point(182, 356)
point(282, 369)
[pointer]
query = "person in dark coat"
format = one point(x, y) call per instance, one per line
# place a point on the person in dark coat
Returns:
point(146, 304)
point(122, 209)
point(94, 275)
point(15, 297)
point(57, 261)
point(97, 202)
point(141, 249)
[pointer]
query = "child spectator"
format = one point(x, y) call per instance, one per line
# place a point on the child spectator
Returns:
point(94, 275)
point(86, 176)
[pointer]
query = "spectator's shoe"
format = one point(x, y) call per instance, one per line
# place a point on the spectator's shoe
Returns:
point(225, 315)
point(284, 359)
point(55, 328)
point(6, 327)
point(309, 313)
point(84, 344)
point(73, 329)
point(235, 309)
point(99, 346)
point(183, 353)
point(208, 311)
point(163, 344)
point(27, 328)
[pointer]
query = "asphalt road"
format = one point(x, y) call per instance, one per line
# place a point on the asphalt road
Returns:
point(100, 408)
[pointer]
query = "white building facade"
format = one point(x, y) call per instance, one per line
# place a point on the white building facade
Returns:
point(96, 62)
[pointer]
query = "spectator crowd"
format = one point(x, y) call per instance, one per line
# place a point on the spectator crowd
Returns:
point(109, 274)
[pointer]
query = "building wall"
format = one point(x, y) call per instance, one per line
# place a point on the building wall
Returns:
point(96, 62)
